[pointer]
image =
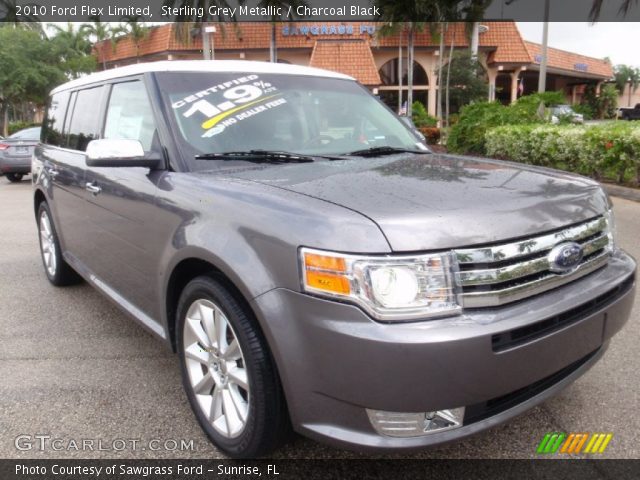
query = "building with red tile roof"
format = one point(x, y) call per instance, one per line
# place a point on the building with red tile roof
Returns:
point(356, 49)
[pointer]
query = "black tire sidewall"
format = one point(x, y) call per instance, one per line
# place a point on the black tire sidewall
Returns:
point(14, 177)
point(263, 420)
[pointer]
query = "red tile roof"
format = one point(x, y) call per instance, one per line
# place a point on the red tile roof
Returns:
point(353, 58)
point(574, 62)
point(501, 40)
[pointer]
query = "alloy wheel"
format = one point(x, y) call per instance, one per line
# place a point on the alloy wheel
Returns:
point(216, 368)
point(48, 244)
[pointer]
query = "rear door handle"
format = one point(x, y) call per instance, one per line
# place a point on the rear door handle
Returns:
point(92, 188)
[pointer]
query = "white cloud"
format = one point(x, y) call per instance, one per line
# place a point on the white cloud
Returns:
point(617, 40)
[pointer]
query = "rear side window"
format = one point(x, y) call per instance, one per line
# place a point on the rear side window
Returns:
point(85, 122)
point(52, 125)
point(129, 114)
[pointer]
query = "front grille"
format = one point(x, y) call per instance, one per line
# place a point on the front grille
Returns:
point(519, 336)
point(494, 406)
point(500, 274)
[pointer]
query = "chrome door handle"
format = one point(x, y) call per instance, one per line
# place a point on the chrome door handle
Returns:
point(93, 188)
point(52, 172)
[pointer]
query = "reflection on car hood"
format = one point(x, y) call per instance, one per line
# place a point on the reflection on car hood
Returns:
point(424, 202)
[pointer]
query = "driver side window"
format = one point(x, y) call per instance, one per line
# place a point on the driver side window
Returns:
point(129, 114)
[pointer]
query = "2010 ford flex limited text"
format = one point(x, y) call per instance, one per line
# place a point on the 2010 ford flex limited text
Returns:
point(314, 265)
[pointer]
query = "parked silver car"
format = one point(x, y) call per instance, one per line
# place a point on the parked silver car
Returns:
point(16, 152)
point(559, 113)
point(313, 264)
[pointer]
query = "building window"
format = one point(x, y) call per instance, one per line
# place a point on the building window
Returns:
point(389, 73)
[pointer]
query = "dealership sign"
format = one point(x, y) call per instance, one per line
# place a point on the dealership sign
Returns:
point(324, 29)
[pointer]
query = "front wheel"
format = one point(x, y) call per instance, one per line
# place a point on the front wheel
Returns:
point(58, 271)
point(14, 177)
point(227, 370)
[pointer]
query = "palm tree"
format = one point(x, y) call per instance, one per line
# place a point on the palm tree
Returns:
point(283, 5)
point(399, 14)
point(133, 29)
point(9, 15)
point(186, 24)
point(75, 40)
point(596, 8)
point(100, 31)
point(624, 75)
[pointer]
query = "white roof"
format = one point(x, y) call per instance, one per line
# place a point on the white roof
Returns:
point(241, 66)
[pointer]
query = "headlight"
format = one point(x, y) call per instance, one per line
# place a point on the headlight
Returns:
point(389, 288)
point(611, 229)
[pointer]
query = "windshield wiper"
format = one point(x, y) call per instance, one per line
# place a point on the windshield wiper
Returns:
point(384, 150)
point(270, 156)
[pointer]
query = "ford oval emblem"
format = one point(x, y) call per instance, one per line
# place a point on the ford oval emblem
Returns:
point(565, 257)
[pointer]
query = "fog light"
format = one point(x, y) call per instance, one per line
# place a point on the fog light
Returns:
point(396, 424)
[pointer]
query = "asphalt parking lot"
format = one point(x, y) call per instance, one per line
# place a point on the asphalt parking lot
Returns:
point(73, 367)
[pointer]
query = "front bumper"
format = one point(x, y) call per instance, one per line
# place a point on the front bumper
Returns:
point(335, 362)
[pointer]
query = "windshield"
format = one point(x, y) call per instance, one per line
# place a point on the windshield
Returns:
point(232, 112)
point(27, 134)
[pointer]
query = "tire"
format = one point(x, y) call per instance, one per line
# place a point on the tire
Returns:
point(57, 270)
point(235, 393)
point(14, 177)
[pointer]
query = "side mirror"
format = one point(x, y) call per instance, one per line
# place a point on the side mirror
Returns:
point(114, 152)
point(408, 122)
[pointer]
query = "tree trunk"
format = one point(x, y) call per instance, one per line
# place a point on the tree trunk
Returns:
point(440, 62)
point(410, 71)
point(5, 120)
point(446, 123)
point(400, 73)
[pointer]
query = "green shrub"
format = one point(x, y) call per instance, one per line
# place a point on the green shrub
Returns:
point(468, 134)
point(17, 126)
point(602, 151)
point(420, 116)
point(586, 110)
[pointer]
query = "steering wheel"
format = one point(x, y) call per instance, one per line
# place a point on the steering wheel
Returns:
point(318, 140)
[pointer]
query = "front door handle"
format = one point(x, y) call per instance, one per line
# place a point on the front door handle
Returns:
point(52, 172)
point(92, 188)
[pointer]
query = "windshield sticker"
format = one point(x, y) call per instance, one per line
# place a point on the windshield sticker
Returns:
point(228, 103)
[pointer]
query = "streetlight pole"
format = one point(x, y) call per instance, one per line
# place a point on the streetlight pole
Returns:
point(208, 47)
point(542, 79)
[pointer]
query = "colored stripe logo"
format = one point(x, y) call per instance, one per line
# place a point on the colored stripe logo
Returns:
point(558, 442)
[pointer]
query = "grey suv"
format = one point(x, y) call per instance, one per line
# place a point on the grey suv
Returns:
point(315, 266)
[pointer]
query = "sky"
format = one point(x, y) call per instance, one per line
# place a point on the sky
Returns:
point(620, 41)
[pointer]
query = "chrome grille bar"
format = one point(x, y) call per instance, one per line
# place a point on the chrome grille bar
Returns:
point(521, 269)
point(523, 248)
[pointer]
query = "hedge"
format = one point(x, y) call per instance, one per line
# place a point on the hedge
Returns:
point(468, 134)
point(601, 151)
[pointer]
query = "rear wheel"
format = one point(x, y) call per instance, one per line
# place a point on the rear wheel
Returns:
point(57, 270)
point(14, 177)
point(228, 373)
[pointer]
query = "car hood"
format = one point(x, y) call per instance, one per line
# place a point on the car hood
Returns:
point(424, 202)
